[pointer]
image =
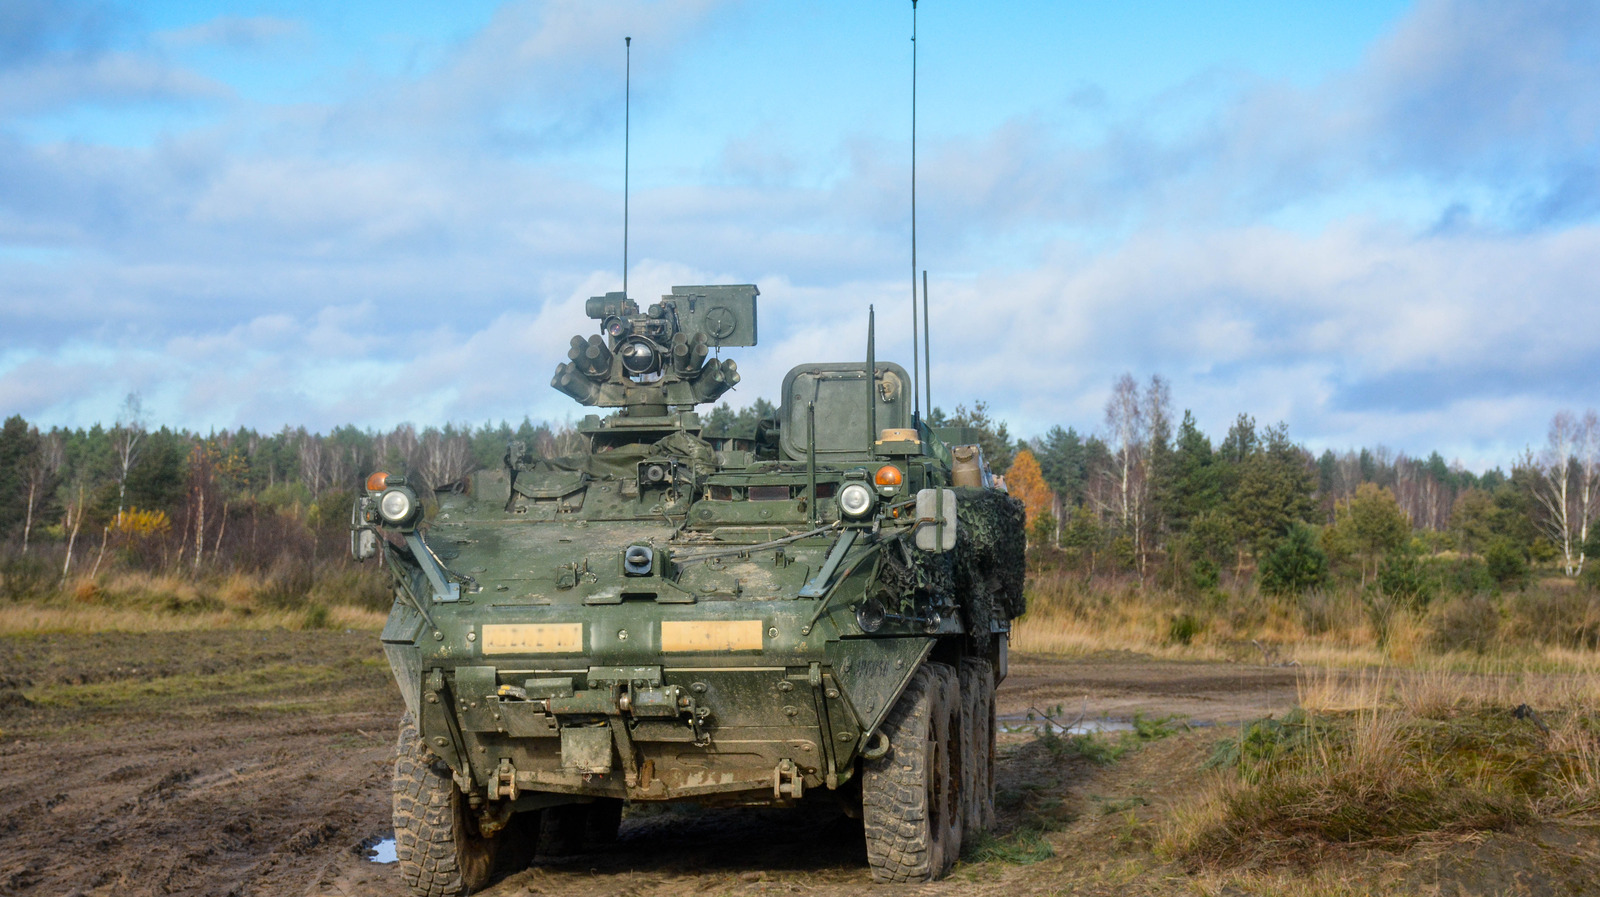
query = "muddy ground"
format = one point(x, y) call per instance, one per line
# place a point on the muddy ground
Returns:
point(250, 763)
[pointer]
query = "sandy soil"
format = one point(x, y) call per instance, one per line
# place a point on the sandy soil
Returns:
point(258, 763)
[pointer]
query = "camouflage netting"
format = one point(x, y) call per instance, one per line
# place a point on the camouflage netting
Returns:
point(910, 581)
point(983, 576)
point(989, 563)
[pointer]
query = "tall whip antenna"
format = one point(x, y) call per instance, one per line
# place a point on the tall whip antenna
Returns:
point(627, 103)
point(916, 394)
point(927, 347)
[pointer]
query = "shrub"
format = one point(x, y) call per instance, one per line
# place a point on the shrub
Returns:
point(1590, 577)
point(340, 582)
point(1205, 574)
point(1568, 618)
point(1404, 580)
point(1465, 624)
point(1189, 569)
point(1468, 576)
point(1324, 610)
point(1296, 566)
point(23, 578)
point(288, 585)
point(1183, 629)
point(1381, 612)
point(1042, 531)
point(1123, 552)
point(1507, 564)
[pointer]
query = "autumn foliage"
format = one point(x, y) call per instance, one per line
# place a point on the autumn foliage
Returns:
point(1026, 482)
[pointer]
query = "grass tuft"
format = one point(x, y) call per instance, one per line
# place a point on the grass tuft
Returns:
point(1020, 847)
point(1382, 761)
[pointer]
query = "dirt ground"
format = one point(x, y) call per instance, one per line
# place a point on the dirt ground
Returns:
point(250, 763)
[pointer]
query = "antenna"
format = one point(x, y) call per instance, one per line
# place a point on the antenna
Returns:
point(627, 103)
point(915, 393)
point(927, 348)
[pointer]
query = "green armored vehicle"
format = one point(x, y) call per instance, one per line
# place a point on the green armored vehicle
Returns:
point(818, 612)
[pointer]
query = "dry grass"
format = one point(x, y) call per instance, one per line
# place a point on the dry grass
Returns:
point(1391, 758)
point(33, 619)
point(1069, 615)
point(133, 601)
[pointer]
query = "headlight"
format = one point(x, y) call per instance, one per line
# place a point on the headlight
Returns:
point(870, 615)
point(396, 506)
point(855, 500)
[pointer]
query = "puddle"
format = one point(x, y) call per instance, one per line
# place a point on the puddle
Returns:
point(380, 850)
point(1020, 722)
point(1023, 722)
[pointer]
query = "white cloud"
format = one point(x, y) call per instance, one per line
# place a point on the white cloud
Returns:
point(420, 249)
point(235, 32)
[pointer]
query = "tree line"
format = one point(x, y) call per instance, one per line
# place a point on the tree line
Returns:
point(169, 499)
point(1144, 488)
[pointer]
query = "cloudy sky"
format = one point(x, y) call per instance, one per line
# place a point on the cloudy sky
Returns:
point(1374, 221)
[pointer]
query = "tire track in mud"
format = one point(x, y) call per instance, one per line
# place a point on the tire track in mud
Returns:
point(262, 794)
point(226, 814)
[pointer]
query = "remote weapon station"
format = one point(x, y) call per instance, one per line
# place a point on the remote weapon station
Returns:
point(819, 612)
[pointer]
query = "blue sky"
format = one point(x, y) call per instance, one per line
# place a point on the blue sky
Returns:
point(1376, 222)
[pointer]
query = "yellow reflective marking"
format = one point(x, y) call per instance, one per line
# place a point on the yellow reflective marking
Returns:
point(711, 635)
point(533, 638)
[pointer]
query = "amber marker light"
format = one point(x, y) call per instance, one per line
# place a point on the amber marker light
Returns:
point(377, 481)
point(887, 475)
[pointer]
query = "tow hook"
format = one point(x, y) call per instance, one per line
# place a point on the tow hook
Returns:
point(505, 780)
point(787, 781)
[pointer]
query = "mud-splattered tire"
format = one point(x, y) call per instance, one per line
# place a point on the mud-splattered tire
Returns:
point(436, 841)
point(978, 725)
point(951, 789)
point(517, 844)
point(911, 809)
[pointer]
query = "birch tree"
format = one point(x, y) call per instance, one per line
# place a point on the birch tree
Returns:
point(1587, 458)
point(1125, 434)
point(444, 458)
point(1559, 485)
point(125, 439)
point(39, 478)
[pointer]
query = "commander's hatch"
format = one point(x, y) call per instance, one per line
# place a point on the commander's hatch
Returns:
point(840, 394)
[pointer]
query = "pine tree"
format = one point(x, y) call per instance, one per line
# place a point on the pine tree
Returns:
point(1195, 484)
point(1275, 490)
point(1062, 458)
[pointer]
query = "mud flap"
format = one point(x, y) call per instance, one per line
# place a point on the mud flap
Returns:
point(586, 749)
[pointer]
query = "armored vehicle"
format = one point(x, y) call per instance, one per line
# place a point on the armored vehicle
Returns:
point(819, 612)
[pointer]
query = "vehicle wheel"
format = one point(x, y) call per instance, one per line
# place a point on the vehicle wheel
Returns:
point(978, 723)
point(517, 844)
point(950, 789)
point(909, 799)
point(436, 840)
